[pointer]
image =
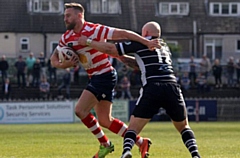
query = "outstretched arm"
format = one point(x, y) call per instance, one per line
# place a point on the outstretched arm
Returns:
point(110, 49)
point(106, 47)
point(119, 34)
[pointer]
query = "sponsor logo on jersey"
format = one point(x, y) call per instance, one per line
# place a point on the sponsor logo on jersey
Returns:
point(70, 44)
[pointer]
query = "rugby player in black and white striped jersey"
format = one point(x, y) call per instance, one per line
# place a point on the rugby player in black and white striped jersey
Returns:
point(159, 86)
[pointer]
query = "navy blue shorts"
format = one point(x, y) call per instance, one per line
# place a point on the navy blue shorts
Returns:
point(102, 86)
point(156, 95)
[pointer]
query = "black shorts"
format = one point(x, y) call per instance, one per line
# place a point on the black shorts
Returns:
point(156, 95)
point(102, 86)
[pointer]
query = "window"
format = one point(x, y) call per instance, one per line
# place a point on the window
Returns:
point(24, 44)
point(53, 45)
point(225, 9)
point(180, 8)
point(105, 7)
point(213, 48)
point(46, 6)
point(238, 45)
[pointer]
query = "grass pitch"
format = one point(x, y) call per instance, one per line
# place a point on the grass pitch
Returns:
point(215, 140)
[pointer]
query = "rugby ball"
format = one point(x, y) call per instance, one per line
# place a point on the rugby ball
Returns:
point(66, 53)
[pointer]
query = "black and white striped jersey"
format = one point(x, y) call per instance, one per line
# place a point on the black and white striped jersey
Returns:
point(155, 65)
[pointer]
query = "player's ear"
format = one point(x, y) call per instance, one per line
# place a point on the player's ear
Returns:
point(80, 15)
point(144, 33)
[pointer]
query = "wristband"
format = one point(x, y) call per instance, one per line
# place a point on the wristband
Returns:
point(89, 41)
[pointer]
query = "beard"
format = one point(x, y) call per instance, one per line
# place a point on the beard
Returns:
point(70, 26)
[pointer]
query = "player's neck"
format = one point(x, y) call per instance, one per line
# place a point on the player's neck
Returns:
point(79, 26)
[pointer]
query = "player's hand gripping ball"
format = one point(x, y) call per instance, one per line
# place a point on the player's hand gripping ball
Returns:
point(66, 54)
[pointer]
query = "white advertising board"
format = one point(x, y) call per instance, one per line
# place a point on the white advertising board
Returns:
point(120, 110)
point(36, 112)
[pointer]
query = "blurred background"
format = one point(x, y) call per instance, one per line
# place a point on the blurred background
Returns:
point(203, 36)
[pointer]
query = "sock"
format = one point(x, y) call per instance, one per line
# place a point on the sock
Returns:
point(92, 124)
point(120, 128)
point(129, 140)
point(190, 141)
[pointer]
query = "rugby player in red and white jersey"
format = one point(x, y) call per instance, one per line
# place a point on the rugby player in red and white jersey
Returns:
point(102, 76)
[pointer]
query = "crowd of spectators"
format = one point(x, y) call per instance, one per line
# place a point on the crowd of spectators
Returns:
point(205, 75)
point(34, 72)
point(37, 72)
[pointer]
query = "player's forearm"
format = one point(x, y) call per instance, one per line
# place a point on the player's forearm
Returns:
point(129, 61)
point(120, 34)
point(104, 47)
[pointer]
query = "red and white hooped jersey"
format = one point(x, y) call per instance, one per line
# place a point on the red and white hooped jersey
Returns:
point(93, 61)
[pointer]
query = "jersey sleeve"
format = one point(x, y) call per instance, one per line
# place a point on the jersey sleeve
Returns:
point(61, 42)
point(129, 47)
point(105, 32)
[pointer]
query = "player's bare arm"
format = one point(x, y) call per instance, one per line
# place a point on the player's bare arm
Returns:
point(104, 47)
point(109, 49)
point(119, 34)
point(129, 61)
point(55, 61)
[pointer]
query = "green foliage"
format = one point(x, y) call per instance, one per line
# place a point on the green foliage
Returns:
point(215, 140)
point(175, 50)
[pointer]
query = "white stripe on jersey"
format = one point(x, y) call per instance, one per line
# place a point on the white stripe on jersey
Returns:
point(149, 56)
point(110, 33)
point(68, 35)
point(96, 54)
point(103, 33)
point(87, 28)
point(101, 72)
point(63, 41)
point(99, 63)
point(96, 31)
point(142, 68)
point(122, 49)
point(142, 50)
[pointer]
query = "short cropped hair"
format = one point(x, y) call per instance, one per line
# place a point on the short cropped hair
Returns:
point(76, 6)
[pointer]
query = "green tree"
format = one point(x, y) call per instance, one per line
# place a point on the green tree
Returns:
point(175, 50)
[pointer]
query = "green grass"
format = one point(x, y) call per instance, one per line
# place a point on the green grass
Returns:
point(215, 140)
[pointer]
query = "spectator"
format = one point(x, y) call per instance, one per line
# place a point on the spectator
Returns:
point(192, 72)
point(44, 88)
point(21, 67)
point(217, 73)
point(3, 68)
point(238, 72)
point(36, 73)
point(76, 74)
point(43, 64)
point(30, 62)
point(66, 81)
point(230, 72)
point(6, 89)
point(205, 65)
point(124, 70)
point(125, 88)
point(52, 74)
point(185, 82)
point(201, 83)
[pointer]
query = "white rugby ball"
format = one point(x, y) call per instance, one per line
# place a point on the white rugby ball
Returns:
point(66, 53)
